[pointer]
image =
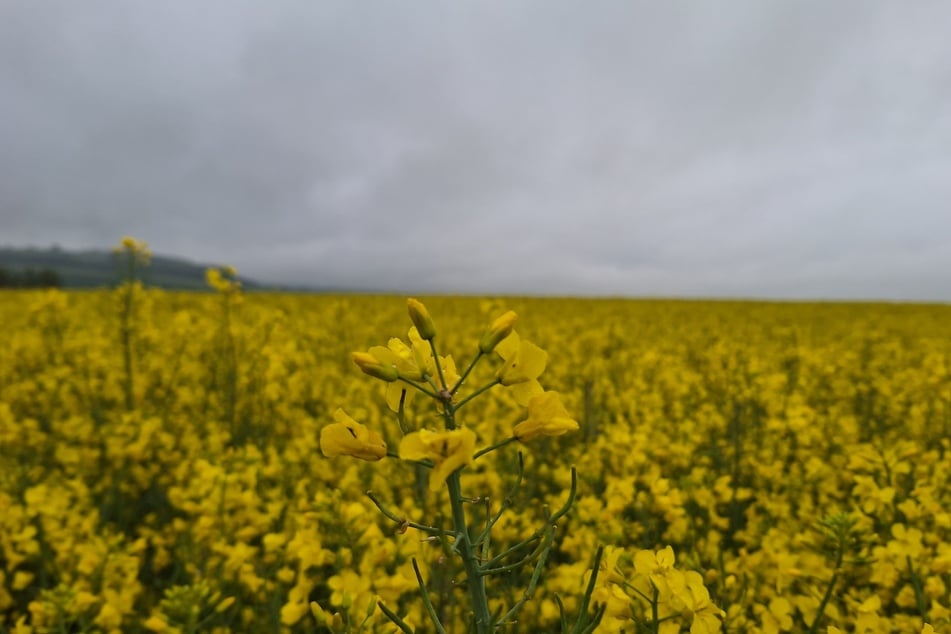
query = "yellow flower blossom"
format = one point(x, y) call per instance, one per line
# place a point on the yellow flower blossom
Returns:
point(371, 365)
point(223, 280)
point(546, 417)
point(868, 619)
point(694, 604)
point(347, 437)
point(109, 618)
point(448, 450)
point(421, 319)
point(400, 356)
point(523, 363)
point(497, 331)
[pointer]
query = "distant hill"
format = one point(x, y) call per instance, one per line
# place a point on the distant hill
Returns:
point(91, 269)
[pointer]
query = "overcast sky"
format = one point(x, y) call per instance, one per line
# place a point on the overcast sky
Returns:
point(741, 148)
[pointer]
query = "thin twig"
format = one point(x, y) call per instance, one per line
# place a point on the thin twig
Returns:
point(402, 521)
point(426, 600)
point(393, 616)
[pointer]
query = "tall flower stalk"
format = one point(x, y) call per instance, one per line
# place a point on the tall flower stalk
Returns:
point(131, 257)
point(417, 367)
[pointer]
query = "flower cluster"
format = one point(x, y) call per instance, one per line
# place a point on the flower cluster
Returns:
point(412, 367)
point(646, 588)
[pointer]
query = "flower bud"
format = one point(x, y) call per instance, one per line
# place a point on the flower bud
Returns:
point(499, 330)
point(372, 366)
point(421, 319)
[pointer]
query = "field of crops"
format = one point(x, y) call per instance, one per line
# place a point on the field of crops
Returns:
point(748, 467)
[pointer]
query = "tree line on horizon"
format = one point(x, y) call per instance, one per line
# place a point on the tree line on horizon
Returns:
point(30, 278)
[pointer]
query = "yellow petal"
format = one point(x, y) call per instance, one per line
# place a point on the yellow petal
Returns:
point(546, 417)
point(448, 450)
point(347, 437)
point(508, 347)
point(527, 364)
point(394, 392)
point(523, 393)
point(413, 447)
point(497, 332)
point(457, 449)
point(421, 318)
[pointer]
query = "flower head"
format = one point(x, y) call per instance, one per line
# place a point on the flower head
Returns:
point(347, 437)
point(497, 331)
point(223, 280)
point(421, 319)
point(523, 363)
point(400, 356)
point(449, 450)
point(372, 365)
point(413, 362)
point(546, 417)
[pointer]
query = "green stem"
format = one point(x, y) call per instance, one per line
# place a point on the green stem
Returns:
point(655, 621)
point(492, 448)
point(491, 520)
point(126, 334)
point(550, 522)
point(536, 576)
point(402, 521)
point(401, 413)
point(488, 572)
point(419, 387)
point(427, 601)
point(432, 384)
point(472, 364)
point(395, 618)
point(442, 379)
point(920, 599)
point(840, 554)
point(487, 386)
point(474, 581)
point(513, 549)
point(584, 624)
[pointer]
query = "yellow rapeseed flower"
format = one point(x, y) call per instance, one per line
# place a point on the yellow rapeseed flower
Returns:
point(546, 417)
point(523, 364)
point(497, 331)
point(400, 356)
point(222, 280)
point(421, 319)
point(347, 437)
point(371, 365)
point(449, 450)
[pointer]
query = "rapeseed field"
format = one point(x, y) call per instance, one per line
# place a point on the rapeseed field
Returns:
point(217, 462)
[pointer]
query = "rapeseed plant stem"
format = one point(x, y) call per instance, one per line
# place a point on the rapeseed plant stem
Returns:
point(401, 414)
point(442, 379)
point(427, 602)
point(840, 533)
point(921, 601)
point(475, 583)
point(465, 374)
point(484, 388)
point(491, 520)
point(395, 618)
point(491, 448)
point(419, 387)
point(487, 572)
point(402, 521)
point(584, 624)
point(545, 550)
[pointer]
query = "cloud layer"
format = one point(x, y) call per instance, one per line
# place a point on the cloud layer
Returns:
point(742, 149)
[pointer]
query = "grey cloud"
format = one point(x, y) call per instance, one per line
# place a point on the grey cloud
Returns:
point(751, 149)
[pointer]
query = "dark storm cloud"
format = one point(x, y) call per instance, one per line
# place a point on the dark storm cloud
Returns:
point(744, 148)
